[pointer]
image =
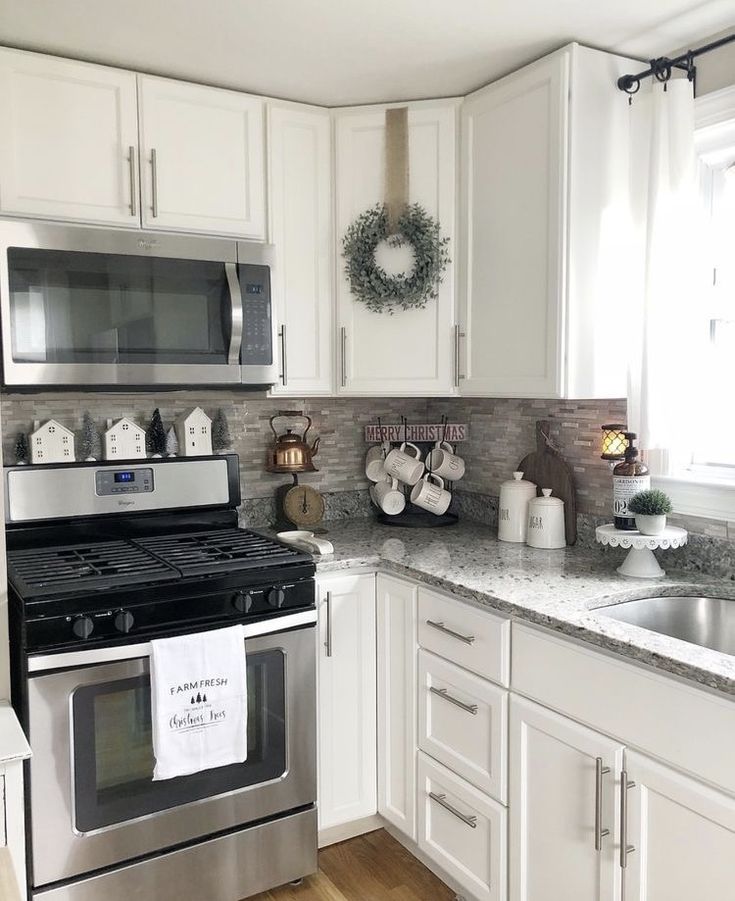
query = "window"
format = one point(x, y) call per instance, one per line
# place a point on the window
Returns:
point(705, 484)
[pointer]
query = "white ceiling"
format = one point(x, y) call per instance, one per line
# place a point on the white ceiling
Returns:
point(337, 52)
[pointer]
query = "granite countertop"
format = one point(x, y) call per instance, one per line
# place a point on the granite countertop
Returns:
point(560, 589)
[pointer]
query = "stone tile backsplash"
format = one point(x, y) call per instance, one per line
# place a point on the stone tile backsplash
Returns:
point(501, 433)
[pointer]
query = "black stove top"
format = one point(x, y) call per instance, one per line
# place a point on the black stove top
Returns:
point(56, 570)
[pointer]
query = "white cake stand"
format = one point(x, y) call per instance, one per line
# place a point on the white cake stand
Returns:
point(641, 562)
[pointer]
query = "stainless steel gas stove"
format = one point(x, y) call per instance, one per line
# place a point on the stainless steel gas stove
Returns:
point(101, 560)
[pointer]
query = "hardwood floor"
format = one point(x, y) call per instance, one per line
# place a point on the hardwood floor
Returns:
point(372, 867)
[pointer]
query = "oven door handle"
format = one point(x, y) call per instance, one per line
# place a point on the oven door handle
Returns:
point(69, 659)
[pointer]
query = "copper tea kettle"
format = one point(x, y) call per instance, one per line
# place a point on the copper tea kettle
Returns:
point(290, 451)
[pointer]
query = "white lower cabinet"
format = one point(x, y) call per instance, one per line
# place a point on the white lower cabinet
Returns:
point(561, 803)
point(346, 680)
point(462, 830)
point(397, 740)
point(683, 833)
point(463, 723)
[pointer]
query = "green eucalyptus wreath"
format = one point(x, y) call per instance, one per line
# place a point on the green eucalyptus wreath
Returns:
point(370, 283)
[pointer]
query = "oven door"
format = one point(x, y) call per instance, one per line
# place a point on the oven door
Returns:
point(93, 801)
point(87, 306)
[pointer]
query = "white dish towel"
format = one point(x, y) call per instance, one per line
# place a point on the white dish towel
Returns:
point(199, 702)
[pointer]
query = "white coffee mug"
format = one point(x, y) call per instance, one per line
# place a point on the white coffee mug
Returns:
point(444, 462)
point(389, 497)
point(374, 460)
point(430, 494)
point(405, 467)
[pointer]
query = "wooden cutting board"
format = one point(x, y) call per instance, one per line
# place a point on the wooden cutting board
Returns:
point(548, 469)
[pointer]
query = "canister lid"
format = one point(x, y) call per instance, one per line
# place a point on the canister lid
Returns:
point(518, 482)
point(547, 500)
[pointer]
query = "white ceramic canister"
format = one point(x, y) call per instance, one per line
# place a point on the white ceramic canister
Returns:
point(513, 513)
point(546, 521)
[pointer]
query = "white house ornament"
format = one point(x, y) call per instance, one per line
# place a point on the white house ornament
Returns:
point(124, 440)
point(194, 431)
point(52, 443)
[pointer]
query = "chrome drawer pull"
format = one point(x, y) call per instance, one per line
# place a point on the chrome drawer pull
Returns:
point(154, 183)
point(625, 848)
point(441, 800)
point(467, 639)
point(442, 692)
point(328, 642)
point(600, 833)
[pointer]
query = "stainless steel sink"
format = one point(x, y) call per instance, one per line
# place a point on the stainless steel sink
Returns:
point(708, 622)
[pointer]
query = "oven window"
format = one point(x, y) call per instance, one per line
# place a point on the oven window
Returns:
point(113, 750)
point(73, 307)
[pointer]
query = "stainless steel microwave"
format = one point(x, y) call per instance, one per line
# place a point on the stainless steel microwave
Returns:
point(95, 306)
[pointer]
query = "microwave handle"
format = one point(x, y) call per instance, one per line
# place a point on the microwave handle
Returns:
point(236, 317)
point(49, 662)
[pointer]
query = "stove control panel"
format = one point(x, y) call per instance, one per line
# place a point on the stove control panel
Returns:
point(123, 481)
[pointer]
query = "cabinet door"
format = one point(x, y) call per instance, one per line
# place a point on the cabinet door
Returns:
point(683, 833)
point(558, 807)
point(346, 691)
point(412, 351)
point(70, 140)
point(397, 738)
point(300, 205)
point(514, 161)
point(202, 159)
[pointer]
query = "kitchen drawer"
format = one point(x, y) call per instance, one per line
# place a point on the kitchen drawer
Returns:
point(463, 723)
point(472, 638)
point(462, 830)
point(689, 727)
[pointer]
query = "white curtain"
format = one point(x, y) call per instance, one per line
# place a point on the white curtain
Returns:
point(666, 340)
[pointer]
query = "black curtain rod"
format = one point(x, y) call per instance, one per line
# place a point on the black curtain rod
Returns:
point(661, 68)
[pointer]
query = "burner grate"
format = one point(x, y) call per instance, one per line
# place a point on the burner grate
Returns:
point(57, 570)
point(221, 549)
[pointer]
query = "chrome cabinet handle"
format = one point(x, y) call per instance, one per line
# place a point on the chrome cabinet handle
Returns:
point(236, 314)
point(343, 332)
point(458, 335)
point(328, 642)
point(600, 833)
point(625, 848)
point(467, 639)
point(131, 176)
point(284, 370)
point(442, 693)
point(441, 800)
point(154, 183)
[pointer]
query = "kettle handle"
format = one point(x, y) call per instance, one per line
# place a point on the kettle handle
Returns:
point(297, 413)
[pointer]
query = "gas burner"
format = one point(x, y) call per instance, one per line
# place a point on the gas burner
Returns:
point(200, 553)
point(49, 571)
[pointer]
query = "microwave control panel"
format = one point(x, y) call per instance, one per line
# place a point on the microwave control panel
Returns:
point(123, 481)
point(257, 334)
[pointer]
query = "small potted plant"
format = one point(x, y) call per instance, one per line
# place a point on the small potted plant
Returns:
point(650, 509)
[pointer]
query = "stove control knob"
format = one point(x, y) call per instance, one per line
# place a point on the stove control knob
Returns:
point(124, 621)
point(242, 602)
point(276, 597)
point(83, 626)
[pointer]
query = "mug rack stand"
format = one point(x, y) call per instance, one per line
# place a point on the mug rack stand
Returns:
point(424, 436)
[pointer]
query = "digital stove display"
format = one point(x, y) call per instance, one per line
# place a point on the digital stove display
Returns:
point(123, 481)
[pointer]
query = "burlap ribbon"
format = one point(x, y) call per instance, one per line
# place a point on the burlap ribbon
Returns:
point(396, 164)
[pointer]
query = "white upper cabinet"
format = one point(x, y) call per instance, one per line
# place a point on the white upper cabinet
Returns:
point(202, 159)
point(410, 352)
point(544, 167)
point(300, 207)
point(70, 140)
